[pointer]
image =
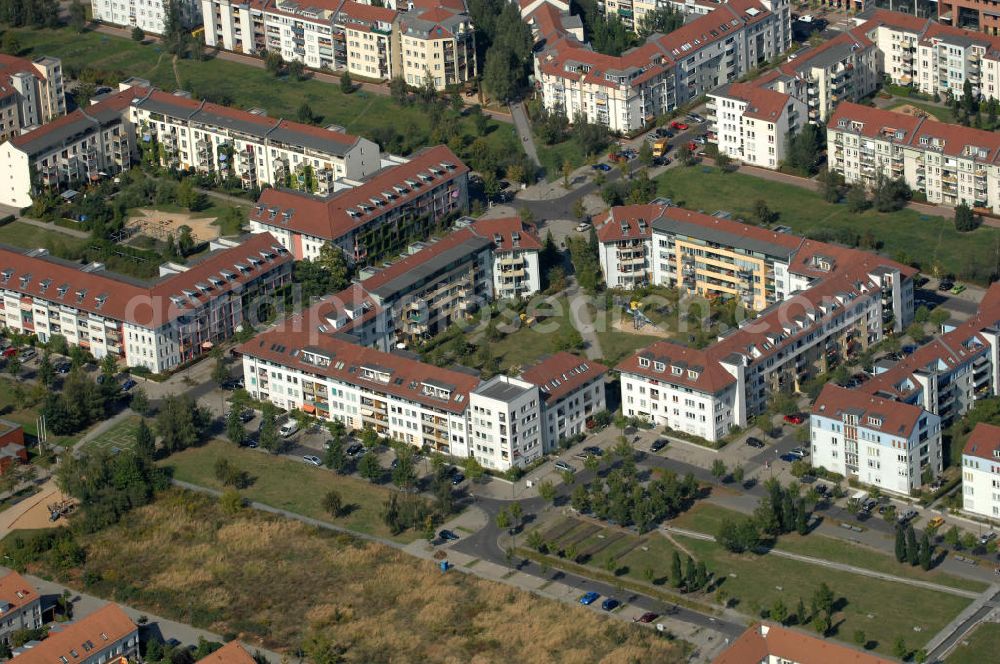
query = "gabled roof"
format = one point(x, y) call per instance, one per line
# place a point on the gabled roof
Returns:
point(764, 641)
point(874, 413)
point(81, 639)
point(984, 442)
point(627, 222)
point(336, 215)
point(508, 234)
point(707, 375)
point(231, 653)
point(762, 103)
point(15, 592)
point(561, 374)
point(53, 134)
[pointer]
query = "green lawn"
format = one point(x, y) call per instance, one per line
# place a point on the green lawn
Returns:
point(941, 113)
point(554, 156)
point(288, 484)
point(979, 647)
point(618, 345)
point(121, 436)
point(925, 239)
point(27, 236)
point(758, 581)
point(526, 344)
point(245, 86)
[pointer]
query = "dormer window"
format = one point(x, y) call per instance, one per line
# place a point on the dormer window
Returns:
point(643, 362)
point(677, 371)
point(693, 375)
point(80, 294)
point(6, 275)
point(62, 290)
point(25, 280)
point(875, 421)
point(659, 366)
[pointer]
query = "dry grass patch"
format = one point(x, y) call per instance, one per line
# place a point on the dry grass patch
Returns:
point(273, 582)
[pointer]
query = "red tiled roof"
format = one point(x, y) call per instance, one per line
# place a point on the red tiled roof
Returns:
point(623, 222)
point(762, 641)
point(15, 591)
point(505, 227)
point(710, 376)
point(283, 345)
point(116, 102)
point(363, 12)
point(762, 103)
point(561, 374)
point(10, 65)
point(875, 122)
point(407, 264)
point(984, 442)
point(145, 305)
point(898, 419)
point(328, 218)
point(231, 653)
point(102, 629)
point(898, 20)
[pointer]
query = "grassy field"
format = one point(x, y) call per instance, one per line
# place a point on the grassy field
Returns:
point(941, 113)
point(121, 436)
point(926, 239)
point(554, 156)
point(28, 236)
point(527, 344)
point(289, 485)
point(618, 345)
point(277, 583)
point(245, 86)
point(979, 647)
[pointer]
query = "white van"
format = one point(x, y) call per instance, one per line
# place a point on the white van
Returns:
point(288, 428)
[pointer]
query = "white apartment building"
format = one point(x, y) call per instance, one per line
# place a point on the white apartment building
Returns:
point(839, 302)
point(157, 325)
point(31, 93)
point(935, 58)
point(70, 151)
point(879, 442)
point(624, 250)
point(950, 164)
point(752, 124)
point(370, 218)
point(516, 249)
point(149, 15)
point(419, 40)
point(981, 472)
point(104, 636)
point(260, 151)
point(20, 606)
point(572, 390)
point(627, 92)
point(505, 423)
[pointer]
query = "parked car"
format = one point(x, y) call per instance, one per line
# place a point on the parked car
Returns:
point(647, 617)
point(789, 458)
point(755, 443)
point(246, 415)
point(946, 285)
point(906, 516)
point(63, 368)
point(658, 445)
point(593, 450)
point(908, 349)
point(10, 351)
point(28, 354)
point(128, 384)
point(610, 604)
point(662, 132)
point(604, 168)
point(355, 449)
point(936, 522)
point(562, 465)
point(958, 289)
point(457, 479)
point(234, 384)
point(799, 452)
point(700, 140)
point(447, 536)
point(794, 419)
point(582, 226)
point(678, 125)
point(986, 537)
point(694, 117)
point(251, 441)
point(288, 428)
point(314, 460)
point(589, 598)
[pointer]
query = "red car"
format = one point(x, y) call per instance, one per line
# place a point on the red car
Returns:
point(680, 126)
point(794, 419)
point(647, 617)
point(693, 147)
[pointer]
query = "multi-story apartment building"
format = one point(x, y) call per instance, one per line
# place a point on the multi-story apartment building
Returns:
point(516, 251)
point(369, 218)
point(149, 15)
point(950, 164)
point(157, 325)
point(981, 472)
point(418, 41)
point(879, 442)
point(20, 606)
point(627, 92)
point(31, 93)
point(839, 301)
point(624, 244)
point(771, 643)
point(752, 124)
point(572, 390)
point(104, 636)
point(72, 150)
point(505, 423)
point(981, 15)
point(935, 58)
point(260, 151)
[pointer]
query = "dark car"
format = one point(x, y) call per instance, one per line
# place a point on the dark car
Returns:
point(63, 368)
point(233, 384)
point(610, 604)
point(647, 617)
point(251, 442)
point(756, 443)
point(246, 415)
point(457, 478)
point(789, 458)
point(447, 536)
point(946, 284)
point(355, 449)
point(604, 168)
point(657, 445)
point(128, 384)
point(593, 450)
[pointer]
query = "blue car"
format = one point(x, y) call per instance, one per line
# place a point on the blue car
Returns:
point(789, 458)
point(128, 384)
point(610, 604)
point(601, 167)
point(589, 598)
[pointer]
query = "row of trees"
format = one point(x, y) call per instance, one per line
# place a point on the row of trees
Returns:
point(782, 510)
point(586, 264)
point(908, 550)
point(886, 194)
